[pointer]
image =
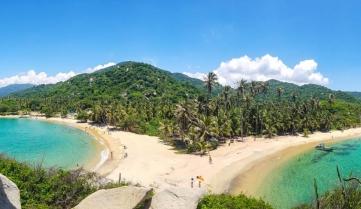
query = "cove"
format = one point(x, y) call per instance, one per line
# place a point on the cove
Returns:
point(50, 144)
point(292, 183)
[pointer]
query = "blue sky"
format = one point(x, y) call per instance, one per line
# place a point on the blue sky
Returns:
point(182, 36)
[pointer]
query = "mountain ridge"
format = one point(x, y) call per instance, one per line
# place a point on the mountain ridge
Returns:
point(121, 81)
point(307, 91)
point(142, 78)
point(13, 88)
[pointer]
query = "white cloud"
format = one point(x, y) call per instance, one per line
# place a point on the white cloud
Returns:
point(265, 68)
point(32, 77)
point(99, 67)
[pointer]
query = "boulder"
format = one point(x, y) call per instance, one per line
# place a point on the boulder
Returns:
point(127, 197)
point(9, 194)
point(177, 198)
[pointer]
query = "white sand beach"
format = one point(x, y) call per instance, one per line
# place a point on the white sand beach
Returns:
point(150, 162)
point(236, 168)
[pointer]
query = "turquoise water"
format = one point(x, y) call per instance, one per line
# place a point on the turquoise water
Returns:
point(51, 144)
point(292, 184)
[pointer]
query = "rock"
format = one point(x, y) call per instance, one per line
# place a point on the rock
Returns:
point(177, 198)
point(127, 197)
point(9, 194)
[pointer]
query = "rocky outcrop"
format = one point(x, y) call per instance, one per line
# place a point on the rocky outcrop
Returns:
point(177, 198)
point(127, 197)
point(9, 194)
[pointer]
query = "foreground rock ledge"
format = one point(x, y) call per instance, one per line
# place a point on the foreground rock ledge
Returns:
point(9, 194)
point(127, 197)
point(177, 198)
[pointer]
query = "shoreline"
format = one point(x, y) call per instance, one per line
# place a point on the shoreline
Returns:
point(237, 168)
point(250, 180)
point(101, 162)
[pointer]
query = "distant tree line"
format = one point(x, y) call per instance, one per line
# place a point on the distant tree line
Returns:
point(201, 121)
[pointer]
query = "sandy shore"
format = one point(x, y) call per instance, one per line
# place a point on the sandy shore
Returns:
point(109, 151)
point(250, 180)
point(150, 162)
point(237, 168)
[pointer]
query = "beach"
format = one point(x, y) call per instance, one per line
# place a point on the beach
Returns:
point(237, 168)
point(151, 163)
point(109, 150)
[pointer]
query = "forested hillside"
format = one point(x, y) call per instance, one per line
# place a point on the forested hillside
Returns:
point(5, 91)
point(304, 92)
point(131, 81)
point(355, 94)
point(128, 81)
point(140, 98)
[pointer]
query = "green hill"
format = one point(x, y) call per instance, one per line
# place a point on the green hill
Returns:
point(304, 92)
point(355, 94)
point(7, 90)
point(133, 81)
point(196, 82)
point(141, 98)
point(122, 82)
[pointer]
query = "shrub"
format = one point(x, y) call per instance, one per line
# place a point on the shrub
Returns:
point(193, 147)
point(50, 188)
point(4, 108)
point(82, 116)
point(346, 196)
point(224, 201)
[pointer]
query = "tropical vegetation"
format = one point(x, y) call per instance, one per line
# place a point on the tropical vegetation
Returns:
point(225, 201)
point(346, 196)
point(53, 188)
point(187, 112)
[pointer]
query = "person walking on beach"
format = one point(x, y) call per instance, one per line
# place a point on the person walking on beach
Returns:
point(200, 179)
point(210, 159)
point(192, 182)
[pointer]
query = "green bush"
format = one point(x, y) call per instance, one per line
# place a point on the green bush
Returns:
point(50, 188)
point(4, 108)
point(82, 116)
point(347, 196)
point(213, 145)
point(152, 128)
point(193, 147)
point(224, 201)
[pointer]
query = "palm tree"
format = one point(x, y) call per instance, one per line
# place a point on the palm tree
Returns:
point(184, 113)
point(210, 81)
point(242, 88)
point(269, 122)
point(165, 130)
point(226, 99)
